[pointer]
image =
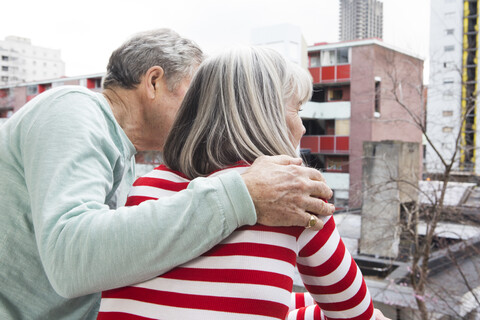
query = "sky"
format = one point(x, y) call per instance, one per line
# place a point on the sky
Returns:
point(88, 31)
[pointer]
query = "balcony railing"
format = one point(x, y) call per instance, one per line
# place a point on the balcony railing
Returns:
point(326, 144)
point(326, 110)
point(331, 74)
point(337, 181)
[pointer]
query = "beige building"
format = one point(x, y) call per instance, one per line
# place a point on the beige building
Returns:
point(20, 62)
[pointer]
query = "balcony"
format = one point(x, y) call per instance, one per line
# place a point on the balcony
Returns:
point(338, 181)
point(326, 110)
point(326, 144)
point(331, 74)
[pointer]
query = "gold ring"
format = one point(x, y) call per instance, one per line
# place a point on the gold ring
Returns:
point(311, 222)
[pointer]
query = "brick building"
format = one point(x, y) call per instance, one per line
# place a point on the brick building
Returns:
point(353, 102)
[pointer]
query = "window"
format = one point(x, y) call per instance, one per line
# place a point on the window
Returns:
point(94, 83)
point(328, 58)
point(315, 60)
point(319, 94)
point(4, 79)
point(31, 90)
point(449, 32)
point(342, 127)
point(448, 81)
point(449, 65)
point(335, 94)
point(4, 68)
point(336, 164)
point(447, 129)
point(378, 90)
point(4, 58)
point(330, 127)
point(449, 48)
point(342, 55)
point(447, 113)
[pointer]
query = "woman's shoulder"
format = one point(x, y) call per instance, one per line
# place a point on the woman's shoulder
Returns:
point(240, 167)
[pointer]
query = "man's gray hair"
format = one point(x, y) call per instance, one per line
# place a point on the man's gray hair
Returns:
point(179, 57)
point(234, 111)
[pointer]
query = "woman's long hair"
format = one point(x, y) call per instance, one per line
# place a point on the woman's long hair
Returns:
point(234, 111)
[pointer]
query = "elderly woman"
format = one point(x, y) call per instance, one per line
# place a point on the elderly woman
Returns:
point(242, 104)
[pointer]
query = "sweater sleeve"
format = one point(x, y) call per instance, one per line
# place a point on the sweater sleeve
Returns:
point(331, 275)
point(69, 159)
point(303, 307)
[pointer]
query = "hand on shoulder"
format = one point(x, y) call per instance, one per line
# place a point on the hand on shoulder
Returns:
point(287, 194)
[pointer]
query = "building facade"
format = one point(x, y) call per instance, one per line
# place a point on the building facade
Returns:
point(23, 62)
point(452, 106)
point(353, 102)
point(361, 19)
point(13, 97)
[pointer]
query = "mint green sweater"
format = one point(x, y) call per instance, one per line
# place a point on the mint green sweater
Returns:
point(65, 166)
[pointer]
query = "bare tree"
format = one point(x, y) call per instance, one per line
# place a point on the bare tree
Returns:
point(429, 207)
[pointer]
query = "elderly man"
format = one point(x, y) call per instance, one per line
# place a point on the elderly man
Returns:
point(67, 160)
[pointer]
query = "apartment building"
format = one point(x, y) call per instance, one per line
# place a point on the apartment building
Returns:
point(452, 108)
point(13, 97)
point(361, 19)
point(23, 62)
point(353, 102)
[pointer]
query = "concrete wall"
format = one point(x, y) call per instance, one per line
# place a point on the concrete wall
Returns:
point(390, 173)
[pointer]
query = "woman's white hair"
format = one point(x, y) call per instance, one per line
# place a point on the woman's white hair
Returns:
point(234, 111)
point(179, 58)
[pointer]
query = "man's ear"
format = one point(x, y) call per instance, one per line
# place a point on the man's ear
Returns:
point(153, 80)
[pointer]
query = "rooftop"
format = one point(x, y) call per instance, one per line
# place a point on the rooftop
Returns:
point(358, 43)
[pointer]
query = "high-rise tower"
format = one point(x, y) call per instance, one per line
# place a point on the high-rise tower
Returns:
point(361, 19)
point(452, 104)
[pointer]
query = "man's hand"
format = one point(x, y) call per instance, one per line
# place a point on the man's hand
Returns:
point(285, 193)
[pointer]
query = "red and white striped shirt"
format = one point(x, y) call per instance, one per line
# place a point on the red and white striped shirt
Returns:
point(247, 276)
